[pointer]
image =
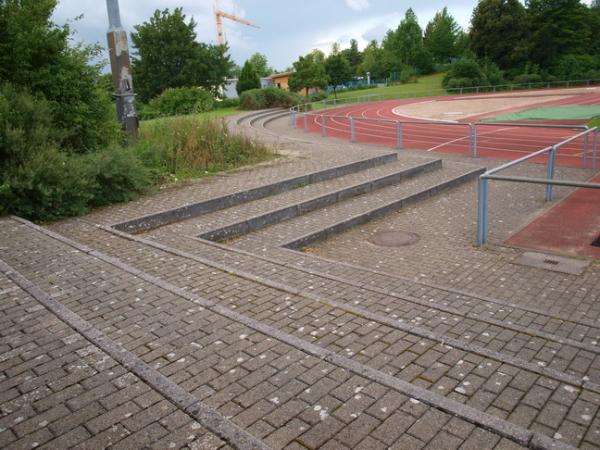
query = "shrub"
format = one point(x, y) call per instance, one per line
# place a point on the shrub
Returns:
point(577, 67)
point(180, 101)
point(270, 97)
point(49, 186)
point(228, 103)
point(407, 75)
point(25, 127)
point(466, 72)
point(318, 96)
point(116, 175)
point(528, 78)
point(253, 99)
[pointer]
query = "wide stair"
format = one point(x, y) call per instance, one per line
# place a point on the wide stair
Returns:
point(524, 375)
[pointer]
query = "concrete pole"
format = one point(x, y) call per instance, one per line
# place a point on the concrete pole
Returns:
point(118, 50)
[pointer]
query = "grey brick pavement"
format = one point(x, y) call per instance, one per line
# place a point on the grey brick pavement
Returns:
point(302, 351)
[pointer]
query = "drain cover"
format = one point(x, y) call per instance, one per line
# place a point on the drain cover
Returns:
point(394, 238)
point(552, 262)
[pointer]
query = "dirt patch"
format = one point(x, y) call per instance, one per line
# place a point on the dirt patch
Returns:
point(458, 109)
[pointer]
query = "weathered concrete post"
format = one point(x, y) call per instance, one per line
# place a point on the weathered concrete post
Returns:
point(118, 50)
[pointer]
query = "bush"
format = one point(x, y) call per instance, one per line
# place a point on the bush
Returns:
point(270, 97)
point(249, 78)
point(318, 96)
point(577, 67)
point(180, 101)
point(465, 72)
point(25, 127)
point(407, 75)
point(253, 99)
point(116, 175)
point(528, 78)
point(49, 186)
point(227, 103)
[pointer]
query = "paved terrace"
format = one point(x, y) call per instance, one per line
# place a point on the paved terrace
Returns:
point(190, 325)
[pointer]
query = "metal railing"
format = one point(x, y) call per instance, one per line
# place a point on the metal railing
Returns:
point(510, 87)
point(549, 181)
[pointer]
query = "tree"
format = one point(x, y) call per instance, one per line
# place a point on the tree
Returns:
point(500, 32)
point(309, 72)
point(338, 69)
point(407, 41)
point(353, 56)
point(373, 61)
point(260, 63)
point(168, 56)
point(35, 56)
point(559, 27)
point(441, 35)
point(249, 78)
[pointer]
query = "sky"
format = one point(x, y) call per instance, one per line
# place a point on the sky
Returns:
point(287, 30)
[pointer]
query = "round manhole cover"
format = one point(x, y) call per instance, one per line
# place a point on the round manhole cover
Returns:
point(394, 238)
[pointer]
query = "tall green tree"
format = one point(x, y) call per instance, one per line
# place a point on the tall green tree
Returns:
point(373, 61)
point(560, 27)
point(500, 32)
point(261, 64)
point(353, 56)
point(249, 78)
point(309, 72)
point(441, 35)
point(35, 55)
point(406, 42)
point(338, 69)
point(168, 56)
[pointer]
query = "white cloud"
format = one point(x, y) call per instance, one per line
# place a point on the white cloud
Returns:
point(357, 5)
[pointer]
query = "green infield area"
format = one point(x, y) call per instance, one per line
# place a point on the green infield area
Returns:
point(550, 113)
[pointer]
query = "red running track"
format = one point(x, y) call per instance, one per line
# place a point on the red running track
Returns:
point(375, 123)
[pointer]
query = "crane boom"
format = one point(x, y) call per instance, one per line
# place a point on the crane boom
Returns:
point(219, 15)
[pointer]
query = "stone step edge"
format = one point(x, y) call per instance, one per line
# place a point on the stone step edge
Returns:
point(246, 226)
point(380, 211)
point(184, 400)
point(267, 116)
point(248, 116)
point(376, 317)
point(485, 298)
point(496, 425)
point(188, 211)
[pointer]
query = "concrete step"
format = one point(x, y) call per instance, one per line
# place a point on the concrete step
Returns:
point(191, 210)
point(325, 222)
point(254, 215)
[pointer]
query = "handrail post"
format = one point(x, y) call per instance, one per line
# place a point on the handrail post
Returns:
point(595, 149)
point(352, 130)
point(473, 140)
point(305, 122)
point(293, 118)
point(550, 172)
point(482, 211)
point(586, 148)
point(399, 137)
point(323, 129)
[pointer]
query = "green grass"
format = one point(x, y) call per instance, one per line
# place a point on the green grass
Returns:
point(423, 87)
point(193, 146)
point(214, 114)
point(595, 122)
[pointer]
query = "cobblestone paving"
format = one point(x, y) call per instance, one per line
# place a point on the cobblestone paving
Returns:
point(348, 345)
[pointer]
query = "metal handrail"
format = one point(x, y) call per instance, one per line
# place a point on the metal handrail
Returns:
point(482, 195)
point(478, 90)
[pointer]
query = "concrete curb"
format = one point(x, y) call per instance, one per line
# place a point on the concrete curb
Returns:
point(289, 212)
point(159, 219)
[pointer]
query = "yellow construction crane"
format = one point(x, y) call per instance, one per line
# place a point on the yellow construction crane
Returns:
point(219, 21)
